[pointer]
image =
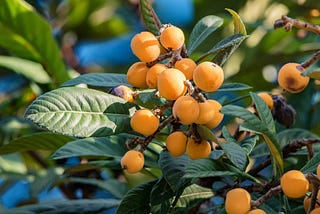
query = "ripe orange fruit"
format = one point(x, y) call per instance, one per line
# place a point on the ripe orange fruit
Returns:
point(207, 112)
point(171, 84)
point(186, 66)
point(256, 211)
point(196, 150)
point(208, 76)
point(315, 211)
point(172, 37)
point(144, 122)
point(267, 99)
point(145, 46)
point(294, 184)
point(217, 116)
point(176, 143)
point(290, 78)
point(186, 109)
point(238, 201)
point(132, 161)
point(137, 74)
point(153, 73)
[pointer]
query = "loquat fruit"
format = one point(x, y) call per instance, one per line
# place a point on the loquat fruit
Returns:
point(238, 201)
point(137, 74)
point(294, 184)
point(186, 66)
point(132, 161)
point(256, 211)
point(186, 109)
point(144, 122)
point(172, 38)
point(153, 73)
point(217, 116)
point(176, 143)
point(266, 97)
point(124, 92)
point(196, 150)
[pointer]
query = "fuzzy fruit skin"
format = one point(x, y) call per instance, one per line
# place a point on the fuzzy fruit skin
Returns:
point(186, 109)
point(267, 99)
point(218, 116)
point(197, 150)
point(208, 76)
point(124, 92)
point(145, 46)
point(207, 112)
point(186, 66)
point(238, 201)
point(172, 38)
point(137, 74)
point(132, 161)
point(290, 78)
point(256, 211)
point(144, 122)
point(294, 184)
point(171, 84)
point(176, 143)
point(153, 73)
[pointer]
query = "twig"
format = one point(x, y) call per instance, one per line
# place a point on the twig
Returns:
point(272, 192)
point(288, 23)
point(313, 179)
point(312, 60)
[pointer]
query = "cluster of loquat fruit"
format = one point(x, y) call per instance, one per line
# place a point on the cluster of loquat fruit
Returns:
point(180, 81)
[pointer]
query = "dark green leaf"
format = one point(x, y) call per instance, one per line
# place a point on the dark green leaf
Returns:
point(99, 80)
point(216, 154)
point(249, 143)
point(80, 112)
point(202, 30)
point(311, 165)
point(205, 167)
point(147, 94)
point(206, 133)
point(237, 22)
point(233, 150)
point(81, 206)
point(288, 135)
point(20, 28)
point(173, 169)
point(31, 70)
point(226, 87)
point(161, 197)
point(111, 146)
point(150, 18)
point(37, 141)
point(137, 199)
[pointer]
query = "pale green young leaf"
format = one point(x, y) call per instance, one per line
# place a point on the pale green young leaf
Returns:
point(239, 27)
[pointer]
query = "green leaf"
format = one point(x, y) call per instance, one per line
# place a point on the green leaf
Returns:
point(36, 141)
point(223, 49)
point(137, 199)
point(254, 124)
point(227, 87)
point(147, 95)
point(173, 169)
point(31, 70)
point(249, 143)
point(34, 42)
point(237, 22)
point(161, 197)
point(191, 196)
point(202, 30)
point(233, 150)
point(288, 135)
point(205, 167)
point(149, 17)
point(99, 80)
point(42, 180)
point(206, 133)
point(112, 186)
point(111, 146)
point(80, 112)
point(311, 165)
point(81, 206)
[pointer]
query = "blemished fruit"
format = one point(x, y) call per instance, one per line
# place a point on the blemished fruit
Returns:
point(132, 161)
point(267, 99)
point(124, 92)
point(207, 112)
point(217, 117)
point(238, 201)
point(176, 143)
point(208, 76)
point(145, 46)
point(153, 73)
point(186, 109)
point(290, 78)
point(172, 37)
point(315, 211)
point(137, 74)
point(171, 84)
point(144, 122)
point(196, 150)
point(256, 211)
point(294, 184)
point(186, 66)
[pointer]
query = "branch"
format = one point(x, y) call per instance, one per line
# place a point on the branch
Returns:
point(288, 23)
point(272, 192)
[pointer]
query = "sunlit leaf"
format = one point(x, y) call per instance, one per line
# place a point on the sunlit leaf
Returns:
point(99, 80)
point(31, 70)
point(80, 112)
point(202, 30)
point(26, 34)
point(150, 18)
point(239, 27)
point(36, 141)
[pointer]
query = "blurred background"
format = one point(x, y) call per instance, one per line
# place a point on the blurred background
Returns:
point(94, 36)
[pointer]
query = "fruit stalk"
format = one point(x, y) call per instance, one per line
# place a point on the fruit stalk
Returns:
point(272, 192)
point(313, 179)
point(288, 23)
